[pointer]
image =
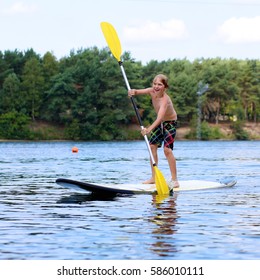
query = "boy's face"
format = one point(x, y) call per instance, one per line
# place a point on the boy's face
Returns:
point(158, 86)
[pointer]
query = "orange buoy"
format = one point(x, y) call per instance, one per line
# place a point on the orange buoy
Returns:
point(75, 150)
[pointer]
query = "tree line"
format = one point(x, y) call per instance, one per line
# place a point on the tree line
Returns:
point(85, 93)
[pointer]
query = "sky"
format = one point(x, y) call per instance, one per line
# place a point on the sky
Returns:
point(148, 29)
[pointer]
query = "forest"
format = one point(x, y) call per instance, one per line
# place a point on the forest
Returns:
point(84, 95)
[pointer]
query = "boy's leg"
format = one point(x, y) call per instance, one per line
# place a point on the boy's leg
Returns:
point(172, 162)
point(169, 137)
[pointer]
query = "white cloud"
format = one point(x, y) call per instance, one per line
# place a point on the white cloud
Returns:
point(155, 31)
point(240, 30)
point(20, 8)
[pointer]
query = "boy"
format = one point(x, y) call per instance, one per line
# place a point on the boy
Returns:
point(163, 129)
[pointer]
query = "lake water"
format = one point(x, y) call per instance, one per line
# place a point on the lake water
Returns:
point(42, 220)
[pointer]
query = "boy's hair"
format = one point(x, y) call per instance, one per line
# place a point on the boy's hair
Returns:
point(163, 79)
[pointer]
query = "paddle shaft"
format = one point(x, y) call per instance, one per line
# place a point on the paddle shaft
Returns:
point(136, 112)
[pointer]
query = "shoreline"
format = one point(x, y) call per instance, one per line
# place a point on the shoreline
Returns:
point(252, 129)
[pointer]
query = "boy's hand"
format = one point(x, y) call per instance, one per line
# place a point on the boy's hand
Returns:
point(145, 131)
point(131, 92)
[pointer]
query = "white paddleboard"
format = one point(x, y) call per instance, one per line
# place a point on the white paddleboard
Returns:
point(188, 185)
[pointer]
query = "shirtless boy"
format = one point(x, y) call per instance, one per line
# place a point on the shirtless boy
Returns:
point(163, 129)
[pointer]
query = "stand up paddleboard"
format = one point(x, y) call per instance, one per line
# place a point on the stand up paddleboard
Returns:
point(188, 185)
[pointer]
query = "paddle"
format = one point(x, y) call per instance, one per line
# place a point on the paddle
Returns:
point(114, 44)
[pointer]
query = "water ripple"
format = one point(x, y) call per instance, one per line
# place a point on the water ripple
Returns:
point(41, 220)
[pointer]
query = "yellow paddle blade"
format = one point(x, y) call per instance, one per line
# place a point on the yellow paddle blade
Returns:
point(112, 39)
point(160, 182)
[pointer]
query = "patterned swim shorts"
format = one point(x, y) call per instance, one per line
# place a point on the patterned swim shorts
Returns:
point(166, 133)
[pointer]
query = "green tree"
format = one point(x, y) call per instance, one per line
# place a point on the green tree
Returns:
point(184, 95)
point(249, 83)
point(60, 98)
point(102, 105)
point(50, 68)
point(216, 75)
point(10, 98)
point(14, 125)
point(33, 84)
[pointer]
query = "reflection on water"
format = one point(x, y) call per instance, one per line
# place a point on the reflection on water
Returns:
point(165, 218)
point(41, 220)
point(82, 198)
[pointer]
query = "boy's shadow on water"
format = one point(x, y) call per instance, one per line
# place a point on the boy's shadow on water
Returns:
point(82, 198)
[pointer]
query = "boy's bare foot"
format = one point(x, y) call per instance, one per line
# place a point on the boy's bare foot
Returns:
point(150, 181)
point(173, 184)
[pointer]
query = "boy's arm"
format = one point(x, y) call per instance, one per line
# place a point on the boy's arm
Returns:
point(133, 92)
